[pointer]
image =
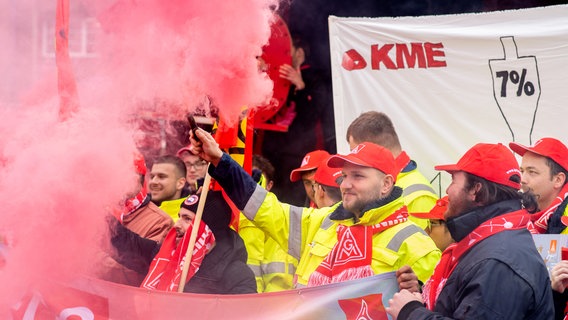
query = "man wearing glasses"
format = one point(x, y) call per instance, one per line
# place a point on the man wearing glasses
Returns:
point(196, 169)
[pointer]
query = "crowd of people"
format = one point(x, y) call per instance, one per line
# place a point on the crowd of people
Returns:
point(305, 216)
point(469, 254)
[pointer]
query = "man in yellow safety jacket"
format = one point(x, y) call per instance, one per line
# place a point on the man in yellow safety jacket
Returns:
point(367, 233)
point(377, 127)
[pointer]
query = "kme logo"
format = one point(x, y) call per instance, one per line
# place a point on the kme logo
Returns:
point(396, 56)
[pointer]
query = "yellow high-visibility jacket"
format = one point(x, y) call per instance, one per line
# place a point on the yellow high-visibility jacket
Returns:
point(273, 268)
point(418, 194)
point(171, 207)
point(253, 238)
point(311, 233)
point(278, 267)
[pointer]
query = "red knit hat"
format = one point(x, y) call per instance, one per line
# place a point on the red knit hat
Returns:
point(368, 154)
point(546, 147)
point(437, 212)
point(311, 161)
point(216, 212)
point(493, 162)
point(327, 175)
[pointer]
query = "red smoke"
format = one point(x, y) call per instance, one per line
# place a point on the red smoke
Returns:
point(58, 179)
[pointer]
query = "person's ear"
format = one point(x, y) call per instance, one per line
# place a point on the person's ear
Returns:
point(388, 183)
point(180, 183)
point(559, 180)
point(472, 193)
point(269, 185)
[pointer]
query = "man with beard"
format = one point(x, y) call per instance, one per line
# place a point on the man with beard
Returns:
point(377, 127)
point(219, 255)
point(494, 270)
point(367, 234)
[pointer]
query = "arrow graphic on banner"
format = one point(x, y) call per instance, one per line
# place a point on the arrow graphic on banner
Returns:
point(516, 88)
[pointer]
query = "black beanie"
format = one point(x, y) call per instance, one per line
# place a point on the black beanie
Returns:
point(216, 212)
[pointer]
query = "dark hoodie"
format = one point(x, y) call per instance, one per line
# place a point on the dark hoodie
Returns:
point(222, 271)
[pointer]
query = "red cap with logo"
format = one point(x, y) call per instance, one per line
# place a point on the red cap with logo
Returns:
point(311, 161)
point(437, 212)
point(546, 147)
point(493, 162)
point(327, 175)
point(368, 154)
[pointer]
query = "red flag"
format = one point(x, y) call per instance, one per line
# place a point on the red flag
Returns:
point(67, 88)
point(367, 307)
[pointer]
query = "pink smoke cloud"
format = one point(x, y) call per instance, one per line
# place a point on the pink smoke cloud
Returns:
point(59, 179)
point(180, 51)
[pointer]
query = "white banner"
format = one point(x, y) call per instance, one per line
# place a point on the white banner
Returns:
point(449, 82)
point(93, 299)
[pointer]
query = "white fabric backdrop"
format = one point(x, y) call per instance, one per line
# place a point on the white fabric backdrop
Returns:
point(446, 106)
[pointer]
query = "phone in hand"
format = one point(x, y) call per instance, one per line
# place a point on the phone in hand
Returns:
point(193, 126)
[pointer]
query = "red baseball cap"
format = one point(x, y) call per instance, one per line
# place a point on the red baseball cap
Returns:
point(546, 147)
point(493, 162)
point(437, 212)
point(368, 154)
point(182, 150)
point(327, 175)
point(311, 161)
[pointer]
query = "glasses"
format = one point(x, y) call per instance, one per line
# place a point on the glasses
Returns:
point(197, 165)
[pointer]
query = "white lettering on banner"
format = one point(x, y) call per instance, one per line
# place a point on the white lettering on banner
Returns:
point(82, 312)
point(31, 310)
point(37, 302)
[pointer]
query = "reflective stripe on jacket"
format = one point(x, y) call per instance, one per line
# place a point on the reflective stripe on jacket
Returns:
point(418, 194)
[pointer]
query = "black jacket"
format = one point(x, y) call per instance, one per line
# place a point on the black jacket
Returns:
point(222, 271)
point(501, 277)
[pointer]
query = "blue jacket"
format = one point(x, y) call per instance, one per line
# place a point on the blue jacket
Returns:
point(502, 277)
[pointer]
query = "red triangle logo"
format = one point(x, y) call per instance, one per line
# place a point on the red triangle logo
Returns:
point(364, 308)
point(349, 249)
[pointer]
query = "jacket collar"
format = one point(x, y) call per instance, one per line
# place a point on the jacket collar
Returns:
point(465, 223)
point(343, 214)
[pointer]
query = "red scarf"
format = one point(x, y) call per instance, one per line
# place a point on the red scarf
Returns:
point(166, 267)
point(539, 223)
point(133, 204)
point(451, 256)
point(351, 255)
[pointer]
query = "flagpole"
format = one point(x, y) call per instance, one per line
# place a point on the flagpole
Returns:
point(195, 227)
point(66, 85)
